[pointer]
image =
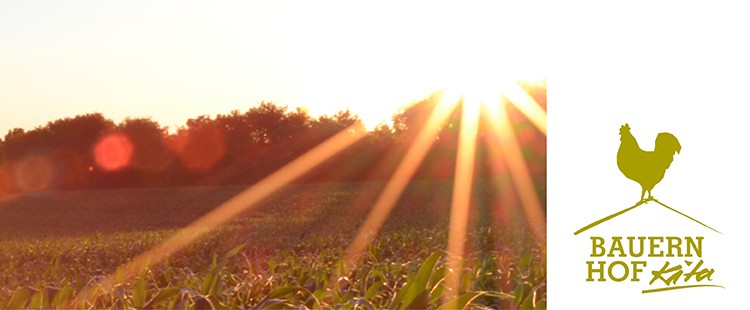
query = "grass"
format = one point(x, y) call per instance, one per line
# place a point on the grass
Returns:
point(288, 253)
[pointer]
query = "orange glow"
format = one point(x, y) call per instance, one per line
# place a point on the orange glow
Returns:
point(113, 152)
point(33, 173)
point(243, 202)
point(6, 181)
point(201, 149)
point(503, 141)
point(526, 104)
point(400, 179)
point(461, 199)
point(506, 199)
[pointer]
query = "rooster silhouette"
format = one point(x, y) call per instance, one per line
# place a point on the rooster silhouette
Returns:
point(646, 168)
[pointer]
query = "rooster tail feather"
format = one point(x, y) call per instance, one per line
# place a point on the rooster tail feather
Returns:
point(666, 143)
point(666, 146)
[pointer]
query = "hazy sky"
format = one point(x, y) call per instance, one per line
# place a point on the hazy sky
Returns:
point(176, 60)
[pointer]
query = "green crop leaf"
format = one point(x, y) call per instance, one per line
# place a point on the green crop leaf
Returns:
point(234, 251)
point(418, 287)
point(20, 298)
point(61, 298)
point(139, 293)
point(460, 302)
point(274, 304)
point(419, 302)
point(37, 301)
point(437, 292)
point(373, 290)
point(283, 291)
point(163, 295)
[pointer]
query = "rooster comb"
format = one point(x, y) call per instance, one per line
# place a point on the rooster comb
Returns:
point(624, 129)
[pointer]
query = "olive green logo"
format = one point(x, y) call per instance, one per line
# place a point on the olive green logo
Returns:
point(648, 168)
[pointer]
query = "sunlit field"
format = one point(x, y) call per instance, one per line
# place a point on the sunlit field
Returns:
point(55, 245)
point(443, 208)
point(260, 155)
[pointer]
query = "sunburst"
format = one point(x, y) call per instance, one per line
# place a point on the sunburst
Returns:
point(481, 101)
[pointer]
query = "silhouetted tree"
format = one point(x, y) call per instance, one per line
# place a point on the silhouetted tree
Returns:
point(205, 144)
point(265, 122)
point(243, 147)
point(79, 133)
point(150, 159)
point(5, 179)
point(2, 151)
point(18, 142)
point(236, 131)
point(65, 144)
point(414, 116)
point(147, 137)
point(381, 137)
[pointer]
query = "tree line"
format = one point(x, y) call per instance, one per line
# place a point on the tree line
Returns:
point(90, 151)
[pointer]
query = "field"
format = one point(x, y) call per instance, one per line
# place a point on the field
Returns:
point(286, 253)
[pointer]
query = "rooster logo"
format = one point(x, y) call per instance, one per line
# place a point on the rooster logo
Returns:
point(646, 168)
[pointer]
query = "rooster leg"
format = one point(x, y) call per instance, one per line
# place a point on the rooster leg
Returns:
point(649, 195)
point(643, 194)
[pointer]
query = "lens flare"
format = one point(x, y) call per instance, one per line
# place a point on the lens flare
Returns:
point(33, 173)
point(243, 202)
point(504, 141)
point(526, 104)
point(113, 152)
point(399, 180)
point(461, 199)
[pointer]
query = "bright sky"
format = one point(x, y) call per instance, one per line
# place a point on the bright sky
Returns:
point(176, 60)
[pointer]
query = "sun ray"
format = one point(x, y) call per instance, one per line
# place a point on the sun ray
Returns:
point(400, 179)
point(461, 198)
point(503, 141)
point(242, 202)
point(501, 180)
point(503, 136)
point(526, 104)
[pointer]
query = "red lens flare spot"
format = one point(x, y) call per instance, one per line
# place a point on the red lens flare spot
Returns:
point(33, 173)
point(113, 152)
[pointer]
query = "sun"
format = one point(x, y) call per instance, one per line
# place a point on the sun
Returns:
point(473, 91)
point(477, 91)
point(487, 94)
